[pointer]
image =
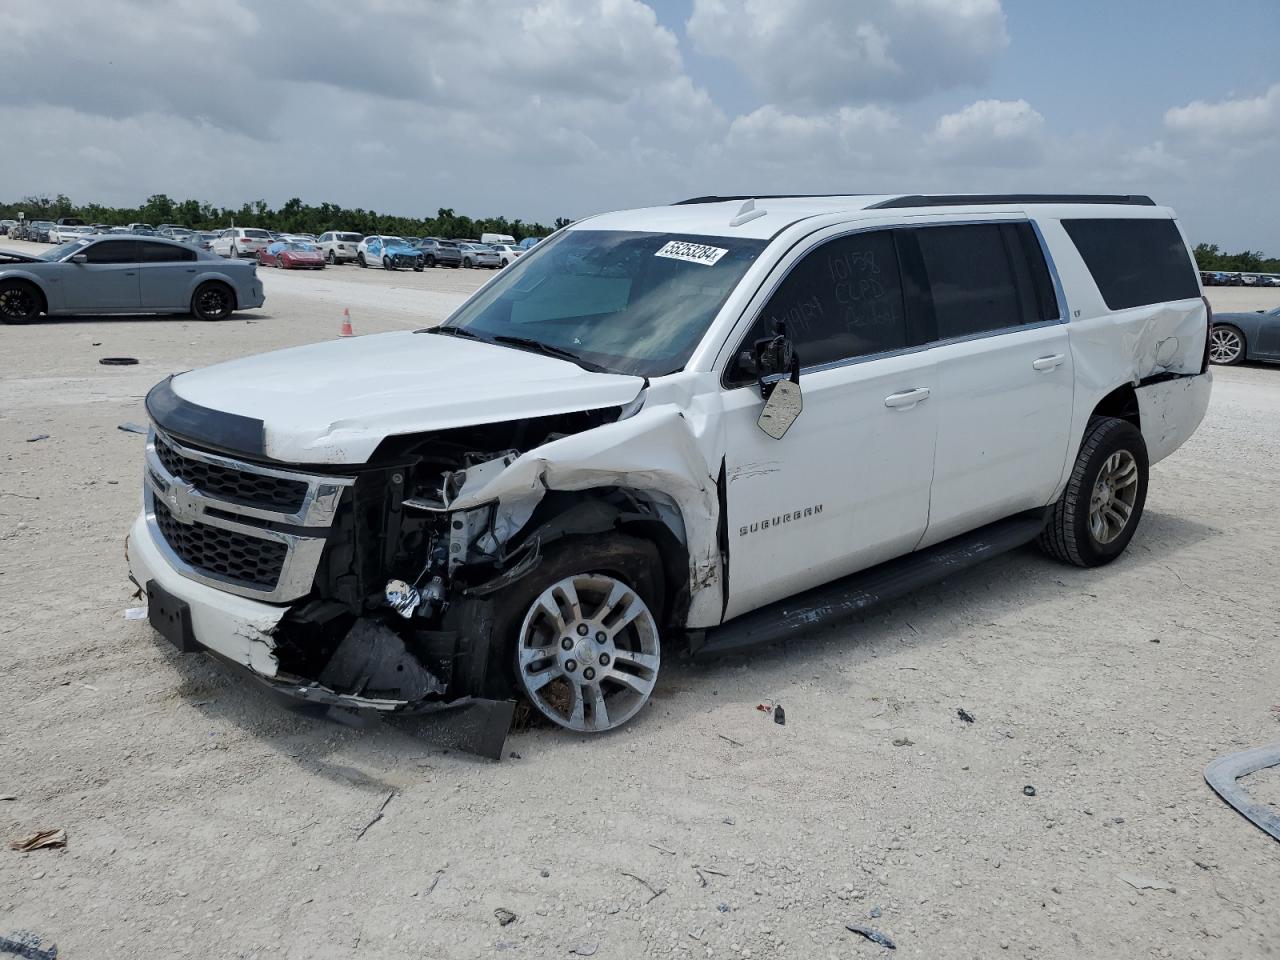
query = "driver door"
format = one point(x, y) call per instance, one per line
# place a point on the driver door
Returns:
point(107, 282)
point(847, 486)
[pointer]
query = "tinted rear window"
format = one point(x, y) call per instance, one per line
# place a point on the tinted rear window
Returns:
point(1135, 262)
point(350, 237)
point(256, 233)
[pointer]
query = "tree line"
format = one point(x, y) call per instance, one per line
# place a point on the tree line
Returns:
point(293, 217)
point(1209, 257)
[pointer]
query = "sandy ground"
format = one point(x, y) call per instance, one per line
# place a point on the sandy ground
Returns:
point(204, 821)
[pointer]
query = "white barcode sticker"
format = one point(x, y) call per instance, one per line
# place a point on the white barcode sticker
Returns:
point(691, 252)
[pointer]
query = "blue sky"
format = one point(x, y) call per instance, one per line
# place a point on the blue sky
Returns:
point(545, 108)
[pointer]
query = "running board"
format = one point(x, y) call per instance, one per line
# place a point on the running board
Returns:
point(797, 616)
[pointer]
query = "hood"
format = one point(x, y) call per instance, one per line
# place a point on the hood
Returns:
point(403, 248)
point(334, 402)
point(20, 257)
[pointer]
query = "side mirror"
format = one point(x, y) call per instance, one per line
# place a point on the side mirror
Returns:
point(775, 358)
point(79, 258)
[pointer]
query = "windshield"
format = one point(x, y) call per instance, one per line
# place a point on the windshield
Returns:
point(63, 250)
point(635, 303)
point(390, 240)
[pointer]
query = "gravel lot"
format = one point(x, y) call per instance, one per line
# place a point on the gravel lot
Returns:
point(204, 821)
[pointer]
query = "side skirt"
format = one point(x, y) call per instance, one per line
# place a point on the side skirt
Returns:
point(796, 617)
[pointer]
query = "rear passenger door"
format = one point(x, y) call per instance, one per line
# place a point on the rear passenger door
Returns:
point(166, 272)
point(1004, 371)
point(848, 485)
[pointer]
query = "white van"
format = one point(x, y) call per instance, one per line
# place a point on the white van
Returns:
point(702, 426)
point(497, 238)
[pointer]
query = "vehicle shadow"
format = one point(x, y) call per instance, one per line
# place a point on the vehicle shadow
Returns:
point(71, 320)
point(306, 735)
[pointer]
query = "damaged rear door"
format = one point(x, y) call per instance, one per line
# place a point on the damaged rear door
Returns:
point(848, 485)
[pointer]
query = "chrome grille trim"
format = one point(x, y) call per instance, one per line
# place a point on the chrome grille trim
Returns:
point(189, 504)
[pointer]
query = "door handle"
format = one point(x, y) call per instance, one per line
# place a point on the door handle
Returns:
point(130, 273)
point(1049, 363)
point(907, 398)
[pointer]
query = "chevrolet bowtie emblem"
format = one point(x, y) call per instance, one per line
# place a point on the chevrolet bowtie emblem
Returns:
point(180, 501)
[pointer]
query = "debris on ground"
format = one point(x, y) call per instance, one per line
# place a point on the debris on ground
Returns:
point(505, 916)
point(904, 742)
point(1223, 776)
point(135, 613)
point(701, 871)
point(7, 796)
point(723, 907)
point(875, 936)
point(771, 707)
point(779, 716)
point(655, 892)
point(1029, 791)
point(377, 816)
point(964, 715)
point(736, 743)
point(1145, 883)
point(131, 427)
point(23, 944)
point(43, 840)
point(37, 438)
point(118, 361)
point(875, 913)
point(585, 949)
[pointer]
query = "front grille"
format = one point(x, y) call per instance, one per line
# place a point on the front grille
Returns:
point(223, 553)
point(216, 480)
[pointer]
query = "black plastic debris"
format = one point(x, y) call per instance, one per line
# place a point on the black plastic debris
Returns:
point(779, 716)
point(505, 916)
point(37, 438)
point(875, 936)
point(20, 943)
point(1029, 791)
point(118, 361)
point(964, 715)
point(1224, 773)
point(132, 427)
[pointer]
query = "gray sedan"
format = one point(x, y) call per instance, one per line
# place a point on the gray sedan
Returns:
point(1245, 336)
point(125, 274)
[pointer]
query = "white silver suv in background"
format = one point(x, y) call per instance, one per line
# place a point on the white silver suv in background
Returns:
point(339, 246)
point(703, 426)
point(240, 242)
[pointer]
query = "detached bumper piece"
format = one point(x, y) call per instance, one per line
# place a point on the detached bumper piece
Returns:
point(1224, 776)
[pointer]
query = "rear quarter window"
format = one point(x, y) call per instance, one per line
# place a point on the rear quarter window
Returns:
point(1135, 262)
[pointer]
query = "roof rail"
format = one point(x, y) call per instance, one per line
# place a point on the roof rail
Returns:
point(763, 196)
point(966, 199)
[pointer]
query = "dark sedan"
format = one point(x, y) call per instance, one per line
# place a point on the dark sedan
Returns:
point(1245, 336)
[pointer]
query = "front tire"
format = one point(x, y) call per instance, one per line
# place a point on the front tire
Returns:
point(329, 258)
point(212, 301)
point(361, 260)
point(585, 632)
point(431, 261)
point(467, 263)
point(20, 302)
point(386, 263)
point(1226, 346)
point(1098, 513)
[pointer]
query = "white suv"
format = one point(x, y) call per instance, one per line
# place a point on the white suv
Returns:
point(703, 426)
point(240, 242)
point(339, 247)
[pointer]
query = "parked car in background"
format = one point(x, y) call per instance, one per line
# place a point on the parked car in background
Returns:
point(437, 252)
point(339, 246)
point(142, 229)
point(493, 239)
point(299, 238)
point(99, 228)
point(40, 231)
point(507, 253)
point(6, 226)
point(241, 242)
point(64, 233)
point(291, 255)
point(163, 229)
point(1237, 337)
point(203, 239)
point(181, 234)
point(125, 274)
point(528, 243)
point(479, 255)
point(390, 253)
point(69, 222)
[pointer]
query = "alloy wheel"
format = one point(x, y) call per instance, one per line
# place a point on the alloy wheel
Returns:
point(588, 653)
point(1114, 494)
point(1225, 345)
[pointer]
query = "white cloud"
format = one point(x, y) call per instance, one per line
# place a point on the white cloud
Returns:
point(823, 53)
point(995, 132)
point(1250, 118)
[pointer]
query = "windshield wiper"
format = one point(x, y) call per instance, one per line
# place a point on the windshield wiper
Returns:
point(449, 332)
point(537, 346)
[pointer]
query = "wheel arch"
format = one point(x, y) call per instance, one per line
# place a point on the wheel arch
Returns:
point(23, 276)
point(218, 278)
point(1121, 403)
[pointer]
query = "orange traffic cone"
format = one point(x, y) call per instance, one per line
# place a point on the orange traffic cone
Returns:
point(345, 330)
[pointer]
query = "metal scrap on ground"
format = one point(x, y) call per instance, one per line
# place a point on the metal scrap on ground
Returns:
point(1224, 774)
point(875, 936)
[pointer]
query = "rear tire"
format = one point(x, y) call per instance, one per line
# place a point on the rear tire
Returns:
point(467, 263)
point(431, 261)
point(329, 258)
point(361, 260)
point(20, 302)
point(212, 301)
point(1226, 345)
point(1098, 513)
